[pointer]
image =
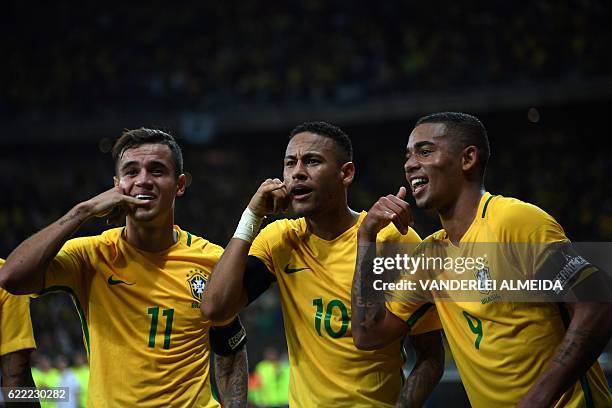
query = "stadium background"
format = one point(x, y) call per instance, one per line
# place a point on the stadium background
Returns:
point(231, 79)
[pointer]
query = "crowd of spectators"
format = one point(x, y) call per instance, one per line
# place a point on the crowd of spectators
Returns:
point(92, 57)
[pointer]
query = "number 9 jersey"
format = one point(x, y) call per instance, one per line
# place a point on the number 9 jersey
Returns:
point(502, 347)
point(314, 277)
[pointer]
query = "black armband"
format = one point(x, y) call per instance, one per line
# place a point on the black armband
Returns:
point(562, 263)
point(257, 278)
point(228, 339)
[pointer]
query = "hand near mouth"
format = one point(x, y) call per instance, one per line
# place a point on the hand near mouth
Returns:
point(388, 209)
point(114, 204)
point(272, 197)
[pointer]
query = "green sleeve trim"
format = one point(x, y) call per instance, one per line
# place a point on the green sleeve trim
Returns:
point(586, 389)
point(77, 304)
point(484, 210)
point(214, 391)
point(418, 314)
point(188, 239)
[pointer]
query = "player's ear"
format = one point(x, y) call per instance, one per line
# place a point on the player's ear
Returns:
point(469, 158)
point(181, 185)
point(347, 172)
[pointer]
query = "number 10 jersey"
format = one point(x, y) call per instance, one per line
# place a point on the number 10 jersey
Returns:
point(314, 277)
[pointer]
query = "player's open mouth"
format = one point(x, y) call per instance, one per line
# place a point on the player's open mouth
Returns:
point(147, 197)
point(301, 193)
point(418, 185)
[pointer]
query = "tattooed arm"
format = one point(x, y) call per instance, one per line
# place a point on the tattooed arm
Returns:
point(427, 370)
point(373, 326)
point(231, 376)
point(16, 372)
point(25, 267)
point(588, 333)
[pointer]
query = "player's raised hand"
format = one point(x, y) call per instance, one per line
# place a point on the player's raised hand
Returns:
point(271, 197)
point(114, 204)
point(388, 209)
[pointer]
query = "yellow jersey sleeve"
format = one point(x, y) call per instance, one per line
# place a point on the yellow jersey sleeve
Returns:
point(391, 234)
point(531, 234)
point(420, 318)
point(522, 222)
point(15, 323)
point(266, 241)
point(71, 268)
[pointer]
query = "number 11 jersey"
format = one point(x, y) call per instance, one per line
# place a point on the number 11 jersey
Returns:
point(147, 341)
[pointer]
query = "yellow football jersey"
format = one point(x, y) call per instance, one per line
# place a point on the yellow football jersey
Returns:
point(502, 347)
point(147, 341)
point(314, 278)
point(15, 323)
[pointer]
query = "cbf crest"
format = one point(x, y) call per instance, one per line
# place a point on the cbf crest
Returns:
point(196, 281)
point(483, 276)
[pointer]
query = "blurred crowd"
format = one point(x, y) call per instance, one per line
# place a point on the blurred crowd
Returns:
point(71, 372)
point(558, 164)
point(91, 57)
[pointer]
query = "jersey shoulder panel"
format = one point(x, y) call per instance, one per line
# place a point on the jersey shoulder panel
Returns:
point(517, 221)
point(191, 242)
point(391, 234)
point(274, 237)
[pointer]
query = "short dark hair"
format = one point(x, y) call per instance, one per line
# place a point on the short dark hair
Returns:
point(466, 130)
point(138, 137)
point(343, 142)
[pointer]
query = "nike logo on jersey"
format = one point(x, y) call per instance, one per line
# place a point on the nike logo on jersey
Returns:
point(112, 281)
point(293, 270)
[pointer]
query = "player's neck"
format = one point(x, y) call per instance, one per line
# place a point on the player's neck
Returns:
point(457, 217)
point(150, 237)
point(330, 225)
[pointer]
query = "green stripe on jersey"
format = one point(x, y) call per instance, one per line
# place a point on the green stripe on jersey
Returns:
point(418, 314)
point(484, 210)
point(77, 304)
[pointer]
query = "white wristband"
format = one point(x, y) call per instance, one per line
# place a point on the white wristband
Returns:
point(248, 226)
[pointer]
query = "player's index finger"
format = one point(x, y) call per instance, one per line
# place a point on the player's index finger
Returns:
point(133, 200)
point(276, 187)
point(281, 192)
point(393, 203)
point(270, 185)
